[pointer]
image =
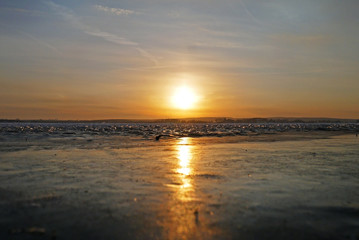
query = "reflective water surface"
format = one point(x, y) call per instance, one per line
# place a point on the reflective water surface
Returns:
point(118, 187)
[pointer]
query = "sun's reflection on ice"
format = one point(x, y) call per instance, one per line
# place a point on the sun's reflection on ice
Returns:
point(186, 218)
point(184, 157)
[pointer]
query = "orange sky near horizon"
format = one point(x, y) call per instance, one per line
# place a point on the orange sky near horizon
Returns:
point(155, 102)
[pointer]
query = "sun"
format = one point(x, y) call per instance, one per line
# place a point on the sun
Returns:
point(184, 98)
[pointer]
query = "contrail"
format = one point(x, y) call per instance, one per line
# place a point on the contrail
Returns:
point(41, 42)
point(68, 15)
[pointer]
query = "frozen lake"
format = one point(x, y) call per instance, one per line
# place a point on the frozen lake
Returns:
point(117, 182)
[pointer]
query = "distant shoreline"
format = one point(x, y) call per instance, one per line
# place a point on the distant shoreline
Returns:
point(194, 120)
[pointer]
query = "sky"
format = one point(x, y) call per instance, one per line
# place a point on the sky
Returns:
point(90, 59)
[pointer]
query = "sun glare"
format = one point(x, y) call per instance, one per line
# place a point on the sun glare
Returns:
point(184, 98)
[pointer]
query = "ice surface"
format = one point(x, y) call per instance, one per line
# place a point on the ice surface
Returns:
point(114, 181)
point(170, 129)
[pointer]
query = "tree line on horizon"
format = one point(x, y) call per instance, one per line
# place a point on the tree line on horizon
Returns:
point(194, 120)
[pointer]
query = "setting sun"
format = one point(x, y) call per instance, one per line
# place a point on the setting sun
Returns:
point(184, 98)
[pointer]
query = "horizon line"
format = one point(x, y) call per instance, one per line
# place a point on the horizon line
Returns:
point(181, 119)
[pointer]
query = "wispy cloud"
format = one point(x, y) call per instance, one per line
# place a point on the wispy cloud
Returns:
point(304, 39)
point(37, 40)
point(69, 16)
point(147, 55)
point(22, 11)
point(117, 11)
point(110, 37)
point(249, 13)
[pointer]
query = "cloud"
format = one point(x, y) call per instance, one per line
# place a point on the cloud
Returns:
point(69, 16)
point(110, 37)
point(117, 11)
point(249, 13)
point(302, 39)
point(37, 40)
point(147, 55)
point(22, 11)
